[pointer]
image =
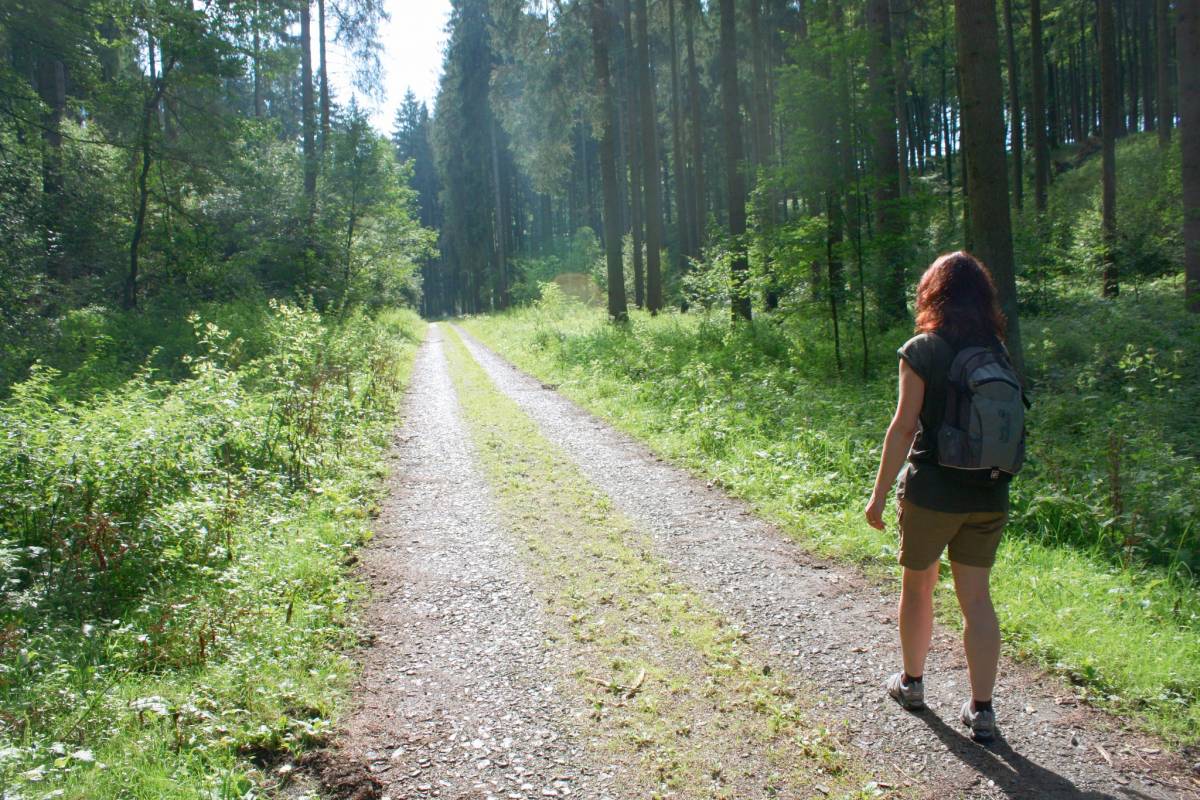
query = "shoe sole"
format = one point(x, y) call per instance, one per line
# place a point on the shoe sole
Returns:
point(980, 736)
point(908, 705)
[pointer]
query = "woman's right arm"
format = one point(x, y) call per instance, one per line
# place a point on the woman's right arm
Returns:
point(896, 443)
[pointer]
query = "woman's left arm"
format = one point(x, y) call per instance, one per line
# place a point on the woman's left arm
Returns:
point(897, 442)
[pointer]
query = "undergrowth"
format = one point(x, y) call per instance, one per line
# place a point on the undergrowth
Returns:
point(174, 610)
point(1096, 575)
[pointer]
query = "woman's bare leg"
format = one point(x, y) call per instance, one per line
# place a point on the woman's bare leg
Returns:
point(981, 630)
point(916, 616)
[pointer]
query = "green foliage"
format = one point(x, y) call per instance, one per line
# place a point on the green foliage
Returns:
point(173, 600)
point(706, 284)
point(533, 96)
point(20, 261)
point(158, 154)
point(369, 228)
point(552, 302)
point(790, 256)
point(1149, 220)
point(580, 254)
point(1118, 418)
point(465, 147)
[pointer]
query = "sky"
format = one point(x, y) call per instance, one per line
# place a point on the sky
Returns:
point(411, 56)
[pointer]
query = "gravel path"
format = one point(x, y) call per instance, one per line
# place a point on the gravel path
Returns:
point(829, 625)
point(459, 696)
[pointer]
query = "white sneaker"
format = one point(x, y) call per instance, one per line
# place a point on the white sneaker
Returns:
point(981, 723)
point(909, 695)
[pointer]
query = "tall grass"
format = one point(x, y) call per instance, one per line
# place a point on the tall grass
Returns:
point(175, 600)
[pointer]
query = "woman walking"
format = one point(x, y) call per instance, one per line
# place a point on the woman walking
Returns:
point(956, 367)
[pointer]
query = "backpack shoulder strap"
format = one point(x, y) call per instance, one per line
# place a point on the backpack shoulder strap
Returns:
point(1012, 365)
point(954, 360)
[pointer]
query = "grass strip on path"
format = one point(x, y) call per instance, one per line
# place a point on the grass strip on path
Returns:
point(671, 685)
point(802, 449)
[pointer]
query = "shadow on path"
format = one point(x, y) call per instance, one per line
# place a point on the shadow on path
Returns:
point(1014, 774)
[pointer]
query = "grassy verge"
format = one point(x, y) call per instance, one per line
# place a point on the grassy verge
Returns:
point(672, 687)
point(761, 411)
point(177, 601)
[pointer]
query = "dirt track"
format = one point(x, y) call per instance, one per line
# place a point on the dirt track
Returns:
point(458, 695)
point(461, 697)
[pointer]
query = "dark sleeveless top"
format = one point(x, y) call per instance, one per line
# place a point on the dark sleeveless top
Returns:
point(924, 482)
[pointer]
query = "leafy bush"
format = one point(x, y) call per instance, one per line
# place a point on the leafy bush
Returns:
point(579, 254)
point(1149, 216)
point(150, 532)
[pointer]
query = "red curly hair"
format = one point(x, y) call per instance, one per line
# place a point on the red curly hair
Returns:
point(957, 297)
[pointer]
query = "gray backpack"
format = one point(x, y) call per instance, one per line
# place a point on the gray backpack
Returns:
point(982, 434)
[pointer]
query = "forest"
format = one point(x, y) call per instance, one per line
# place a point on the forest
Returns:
point(702, 222)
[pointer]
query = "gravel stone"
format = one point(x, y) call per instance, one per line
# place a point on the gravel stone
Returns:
point(459, 696)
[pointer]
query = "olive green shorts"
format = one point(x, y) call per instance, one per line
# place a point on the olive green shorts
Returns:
point(973, 538)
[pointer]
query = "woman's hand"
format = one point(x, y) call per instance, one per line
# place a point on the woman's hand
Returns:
point(874, 512)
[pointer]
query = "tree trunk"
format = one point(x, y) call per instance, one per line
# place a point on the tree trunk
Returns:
point(149, 109)
point(833, 262)
point(1162, 23)
point(964, 156)
point(944, 120)
point(1085, 77)
point(650, 166)
point(306, 109)
point(1077, 89)
point(351, 223)
point(1189, 145)
point(682, 207)
point(898, 14)
point(1110, 120)
point(259, 106)
point(734, 182)
point(1118, 68)
point(852, 184)
point(1014, 110)
point(139, 220)
point(760, 106)
point(1037, 116)
point(699, 203)
point(889, 225)
point(619, 69)
point(617, 309)
point(324, 70)
point(52, 89)
point(1053, 107)
point(501, 223)
point(633, 136)
point(983, 131)
point(1147, 65)
point(664, 188)
point(1130, 67)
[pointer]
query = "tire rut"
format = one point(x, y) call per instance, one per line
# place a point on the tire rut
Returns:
point(831, 626)
point(459, 697)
